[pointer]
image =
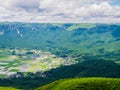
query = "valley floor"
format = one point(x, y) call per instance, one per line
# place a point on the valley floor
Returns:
point(13, 61)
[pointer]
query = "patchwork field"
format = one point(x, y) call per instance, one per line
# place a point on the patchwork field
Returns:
point(13, 61)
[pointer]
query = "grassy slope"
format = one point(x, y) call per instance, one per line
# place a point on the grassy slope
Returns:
point(8, 88)
point(84, 84)
point(82, 25)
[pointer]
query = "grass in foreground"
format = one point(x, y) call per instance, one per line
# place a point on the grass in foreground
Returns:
point(8, 88)
point(84, 84)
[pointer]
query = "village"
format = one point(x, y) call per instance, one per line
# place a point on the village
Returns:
point(14, 61)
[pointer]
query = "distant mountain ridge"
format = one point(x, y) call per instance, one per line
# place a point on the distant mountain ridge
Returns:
point(63, 38)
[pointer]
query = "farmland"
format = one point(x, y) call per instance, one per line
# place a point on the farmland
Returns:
point(13, 61)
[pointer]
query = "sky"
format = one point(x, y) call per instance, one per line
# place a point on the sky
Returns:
point(56, 11)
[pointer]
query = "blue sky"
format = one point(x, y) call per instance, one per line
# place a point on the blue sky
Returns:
point(56, 11)
point(115, 3)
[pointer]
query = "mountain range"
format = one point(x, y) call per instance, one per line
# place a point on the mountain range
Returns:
point(95, 46)
point(61, 38)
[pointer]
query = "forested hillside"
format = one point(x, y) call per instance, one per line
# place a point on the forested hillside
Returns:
point(62, 39)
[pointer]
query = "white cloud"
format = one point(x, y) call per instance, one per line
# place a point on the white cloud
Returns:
point(60, 11)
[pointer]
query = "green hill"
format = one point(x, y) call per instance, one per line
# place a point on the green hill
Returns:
point(84, 84)
point(8, 88)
